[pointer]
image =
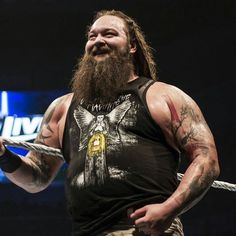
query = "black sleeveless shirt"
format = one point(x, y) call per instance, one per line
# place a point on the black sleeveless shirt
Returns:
point(118, 158)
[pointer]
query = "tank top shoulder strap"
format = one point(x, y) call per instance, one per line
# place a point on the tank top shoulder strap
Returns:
point(142, 89)
point(140, 85)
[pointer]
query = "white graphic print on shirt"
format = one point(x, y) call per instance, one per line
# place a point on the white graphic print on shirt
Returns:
point(100, 134)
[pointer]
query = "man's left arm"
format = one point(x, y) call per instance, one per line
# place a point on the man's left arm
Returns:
point(195, 140)
point(186, 130)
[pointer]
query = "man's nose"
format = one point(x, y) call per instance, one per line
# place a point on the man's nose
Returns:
point(99, 41)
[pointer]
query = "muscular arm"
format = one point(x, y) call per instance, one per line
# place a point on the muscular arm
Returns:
point(186, 131)
point(38, 170)
point(193, 137)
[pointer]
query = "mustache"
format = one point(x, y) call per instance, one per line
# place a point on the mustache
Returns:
point(97, 50)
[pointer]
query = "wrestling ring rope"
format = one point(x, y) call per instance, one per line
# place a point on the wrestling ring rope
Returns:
point(57, 152)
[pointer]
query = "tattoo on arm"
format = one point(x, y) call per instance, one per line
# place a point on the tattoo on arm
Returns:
point(185, 121)
point(197, 187)
point(41, 139)
point(46, 131)
point(189, 130)
point(41, 170)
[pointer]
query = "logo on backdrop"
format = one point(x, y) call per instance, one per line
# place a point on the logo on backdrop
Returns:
point(24, 128)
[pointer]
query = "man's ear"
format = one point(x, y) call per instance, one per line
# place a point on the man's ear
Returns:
point(133, 47)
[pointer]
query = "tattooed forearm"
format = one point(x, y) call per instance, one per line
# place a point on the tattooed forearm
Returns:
point(198, 185)
point(40, 170)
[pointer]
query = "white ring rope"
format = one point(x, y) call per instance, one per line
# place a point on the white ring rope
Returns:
point(57, 152)
point(34, 147)
point(217, 184)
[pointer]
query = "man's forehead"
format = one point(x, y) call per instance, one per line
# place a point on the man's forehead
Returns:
point(108, 21)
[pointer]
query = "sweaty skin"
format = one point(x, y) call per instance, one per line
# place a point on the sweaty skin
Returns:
point(175, 112)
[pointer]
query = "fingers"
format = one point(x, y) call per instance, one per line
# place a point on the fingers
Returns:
point(141, 221)
point(139, 217)
point(139, 213)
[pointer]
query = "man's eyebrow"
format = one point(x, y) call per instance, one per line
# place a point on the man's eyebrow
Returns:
point(102, 29)
point(105, 29)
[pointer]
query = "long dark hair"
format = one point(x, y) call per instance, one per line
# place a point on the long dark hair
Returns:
point(143, 59)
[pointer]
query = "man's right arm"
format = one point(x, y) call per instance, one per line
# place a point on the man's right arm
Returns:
point(37, 170)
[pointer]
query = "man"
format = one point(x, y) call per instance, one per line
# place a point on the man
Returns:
point(121, 133)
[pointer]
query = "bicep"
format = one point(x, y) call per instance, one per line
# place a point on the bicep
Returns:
point(188, 127)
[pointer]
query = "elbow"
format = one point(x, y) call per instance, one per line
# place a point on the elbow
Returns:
point(34, 188)
point(217, 170)
point(213, 165)
point(214, 169)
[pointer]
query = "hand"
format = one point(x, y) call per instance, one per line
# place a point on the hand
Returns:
point(2, 148)
point(153, 219)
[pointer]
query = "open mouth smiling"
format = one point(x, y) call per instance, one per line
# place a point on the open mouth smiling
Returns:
point(98, 53)
point(101, 51)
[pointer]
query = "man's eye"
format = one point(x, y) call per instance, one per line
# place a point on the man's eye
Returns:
point(91, 36)
point(110, 34)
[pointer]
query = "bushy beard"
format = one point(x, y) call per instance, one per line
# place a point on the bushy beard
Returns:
point(101, 81)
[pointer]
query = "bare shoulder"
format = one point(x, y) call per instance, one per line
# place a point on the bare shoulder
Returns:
point(58, 107)
point(160, 97)
point(178, 115)
point(160, 90)
point(53, 122)
point(157, 96)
